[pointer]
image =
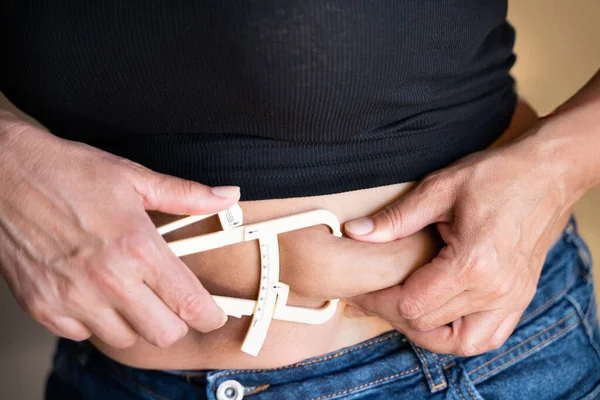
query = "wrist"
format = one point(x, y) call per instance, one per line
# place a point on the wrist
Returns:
point(11, 128)
point(568, 144)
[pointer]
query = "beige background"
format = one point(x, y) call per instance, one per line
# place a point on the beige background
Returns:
point(558, 49)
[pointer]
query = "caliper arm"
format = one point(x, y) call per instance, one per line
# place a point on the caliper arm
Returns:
point(273, 294)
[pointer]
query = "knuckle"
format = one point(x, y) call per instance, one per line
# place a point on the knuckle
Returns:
point(502, 288)
point(169, 336)
point(422, 324)
point(128, 165)
point(71, 296)
point(124, 341)
point(121, 268)
point(475, 265)
point(68, 328)
point(37, 308)
point(111, 289)
point(409, 308)
point(136, 245)
point(430, 182)
point(474, 261)
point(467, 348)
point(156, 185)
point(482, 211)
point(496, 341)
point(191, 307)
point(439, 182)
point(105, 281)
point(393, 216)
point(184, 187)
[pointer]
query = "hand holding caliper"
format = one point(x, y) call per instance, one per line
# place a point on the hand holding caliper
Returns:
point(78, 250)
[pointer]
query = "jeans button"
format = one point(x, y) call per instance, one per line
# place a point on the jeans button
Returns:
point(230, 390)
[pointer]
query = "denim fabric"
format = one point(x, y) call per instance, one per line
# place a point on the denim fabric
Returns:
point(554, 353)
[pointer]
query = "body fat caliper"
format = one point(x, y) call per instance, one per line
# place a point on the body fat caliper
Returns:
point(272, 294)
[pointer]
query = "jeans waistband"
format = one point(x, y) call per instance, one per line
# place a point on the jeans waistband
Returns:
point(380, 350)
point(393, 345)
point(390, 357)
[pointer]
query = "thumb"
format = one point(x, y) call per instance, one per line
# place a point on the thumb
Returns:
point(417, 209)
point(173, 195)
point(382, 303)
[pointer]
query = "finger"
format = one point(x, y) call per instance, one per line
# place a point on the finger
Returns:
point(173, 195)
point(484, 331)
point(430, 287)
point(459, 306)
point(426, 290)
point(468, 336)
point(151, 318)
point(111, 328)
point(366, 267)
point(190, 301)
point(183, 293)
point(466, 303)
point(506, 328)
point(423, 206)
point(68, 328)
point(383, 303)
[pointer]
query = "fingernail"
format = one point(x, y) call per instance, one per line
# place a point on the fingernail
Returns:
point(360, 226)
point(353, 312)
point(226, 191)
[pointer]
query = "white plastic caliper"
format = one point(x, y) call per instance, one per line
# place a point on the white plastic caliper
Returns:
point(273, 294)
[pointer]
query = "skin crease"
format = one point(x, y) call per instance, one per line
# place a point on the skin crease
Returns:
point(498, 211)
point(315, 264)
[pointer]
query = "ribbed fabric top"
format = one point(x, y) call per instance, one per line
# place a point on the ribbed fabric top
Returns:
point(283, 98)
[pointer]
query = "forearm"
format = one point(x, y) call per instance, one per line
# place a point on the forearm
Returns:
point(570, 140)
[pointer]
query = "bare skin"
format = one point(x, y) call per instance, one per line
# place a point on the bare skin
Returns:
point(498, 211)
point(317, 266)
point(78, 250)
point(99, 292)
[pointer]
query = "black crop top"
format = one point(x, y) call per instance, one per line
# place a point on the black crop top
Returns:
point(284, 98)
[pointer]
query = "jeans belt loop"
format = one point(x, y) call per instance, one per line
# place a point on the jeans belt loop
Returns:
point(432, 369)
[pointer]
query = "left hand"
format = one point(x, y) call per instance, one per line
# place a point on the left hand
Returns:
point(498, 211)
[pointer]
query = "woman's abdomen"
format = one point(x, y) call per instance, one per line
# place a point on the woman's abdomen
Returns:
point(315, 264)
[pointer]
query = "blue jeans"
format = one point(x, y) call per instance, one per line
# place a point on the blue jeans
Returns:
point(554, 353)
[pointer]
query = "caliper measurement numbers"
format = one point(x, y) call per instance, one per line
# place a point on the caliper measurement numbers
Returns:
point(267, 296)
point(265, 283)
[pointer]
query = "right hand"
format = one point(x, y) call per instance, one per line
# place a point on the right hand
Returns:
point(80, 253)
